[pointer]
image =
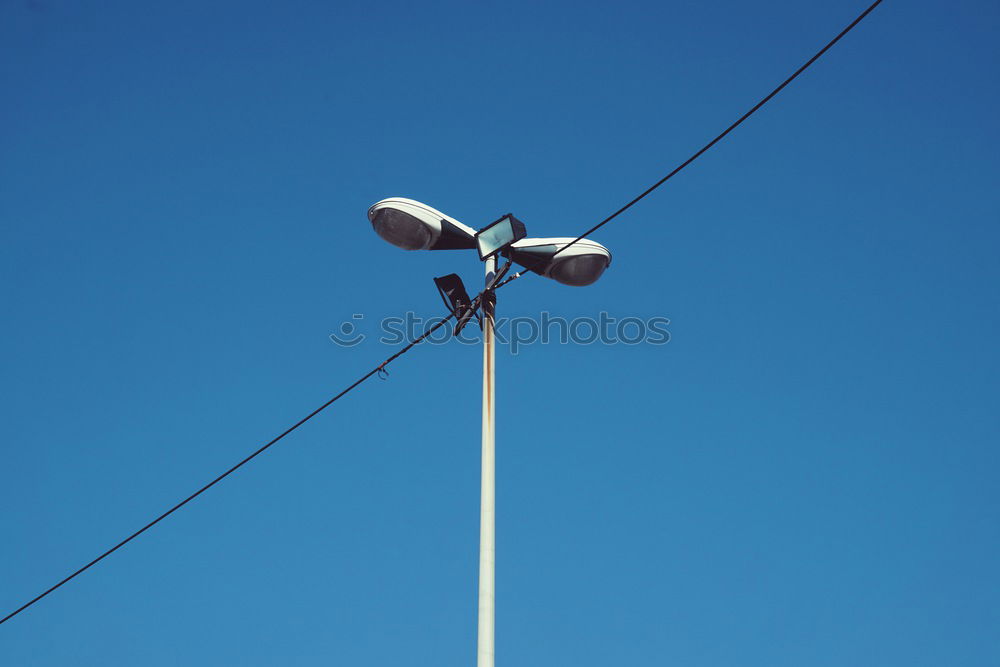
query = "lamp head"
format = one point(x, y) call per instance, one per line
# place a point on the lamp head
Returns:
point(411, 225)
point(578, 265)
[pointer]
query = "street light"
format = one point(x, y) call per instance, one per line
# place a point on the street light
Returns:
point(578, 265)
point(411, 225)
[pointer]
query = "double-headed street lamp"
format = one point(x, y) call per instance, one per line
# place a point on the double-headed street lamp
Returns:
point(411, 225)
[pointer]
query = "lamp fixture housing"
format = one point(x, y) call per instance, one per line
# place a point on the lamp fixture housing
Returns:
point(411, 225)
point(578, 265)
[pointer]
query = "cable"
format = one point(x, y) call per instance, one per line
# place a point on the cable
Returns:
point(493, 286)
point(711, 143)
point(719, 137)
point(377, 369)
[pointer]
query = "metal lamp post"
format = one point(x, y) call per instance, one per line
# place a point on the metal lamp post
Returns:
point(487, 493)
point(412, 225)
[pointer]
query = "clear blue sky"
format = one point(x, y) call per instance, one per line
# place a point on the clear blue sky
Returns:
point(805, 475)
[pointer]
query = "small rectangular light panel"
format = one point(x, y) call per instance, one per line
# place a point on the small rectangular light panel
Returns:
point(499, 235)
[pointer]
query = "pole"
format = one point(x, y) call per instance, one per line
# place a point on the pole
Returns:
point(487, 502)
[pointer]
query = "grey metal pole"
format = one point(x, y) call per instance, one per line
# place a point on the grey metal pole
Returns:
point(487, 503)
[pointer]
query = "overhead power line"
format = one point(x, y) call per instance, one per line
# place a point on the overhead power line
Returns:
point(496, 285)
point(701, 151)
point(378, 369)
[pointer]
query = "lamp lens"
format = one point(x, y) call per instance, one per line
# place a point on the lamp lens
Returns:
point(401, 229)
point(494, 238)
point(579, 271)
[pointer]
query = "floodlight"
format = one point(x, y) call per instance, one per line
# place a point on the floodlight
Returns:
point(499, 235)
point(456, 299)
point(410, 225)
point(578, 265)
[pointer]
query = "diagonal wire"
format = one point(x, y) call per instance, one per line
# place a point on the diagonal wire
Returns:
point(495, 285)
point(378, 369)
point(716, 140)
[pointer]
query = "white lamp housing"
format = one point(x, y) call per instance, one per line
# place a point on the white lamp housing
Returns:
point(411, 225)
point(578, 265)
